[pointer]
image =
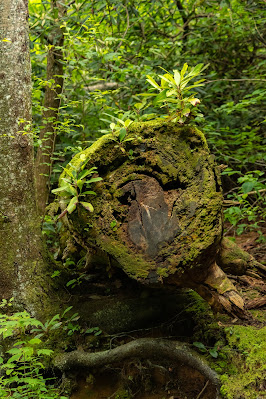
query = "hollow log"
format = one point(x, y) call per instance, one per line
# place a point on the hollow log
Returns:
point(158, 211)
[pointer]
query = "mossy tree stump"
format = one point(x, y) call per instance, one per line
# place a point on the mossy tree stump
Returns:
point(158, 210)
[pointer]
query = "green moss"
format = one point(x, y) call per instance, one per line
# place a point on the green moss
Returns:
point(247, 350)
point(162, 271)
point(132, 264)
point(178, 158)
point(122, 394)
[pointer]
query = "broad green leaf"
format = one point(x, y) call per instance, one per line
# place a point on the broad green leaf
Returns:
point(71, 282)
point(160, 97)
point(14, 351)
point(46, 352)
point(177, 77)
point(72, 204)
point(84, 173)
point(173, 100)
point(170, 93)
point(34, 341)
point(56, 325)
point(68, 188)
point(54, 318)
point(200, 345)
point(114, 117)
point(57, 190)
point(128, 122)
point(66, 310)
point(80, 184)
point(213, 353)
point(93, 180)
point(183, 71)
point(185, 112)
point(169, 79)
point(88, 206)
point(247, 186)
point(152, 82)
point(88, 193)
point(122, 134)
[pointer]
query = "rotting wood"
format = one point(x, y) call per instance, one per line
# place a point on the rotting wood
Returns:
point(166, 203)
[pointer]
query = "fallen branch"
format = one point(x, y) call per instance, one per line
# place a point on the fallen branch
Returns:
point(143, 348)
point(103, 86)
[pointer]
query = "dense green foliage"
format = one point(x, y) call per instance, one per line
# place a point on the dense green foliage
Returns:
point(110, 47)
point(24, 357)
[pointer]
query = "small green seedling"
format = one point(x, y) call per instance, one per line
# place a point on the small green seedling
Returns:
point(212, 351)
point(174, 91)
point(72, 186)
point(119, 130)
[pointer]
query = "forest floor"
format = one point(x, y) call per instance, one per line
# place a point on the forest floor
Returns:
point(252, 287)
point(163, 380)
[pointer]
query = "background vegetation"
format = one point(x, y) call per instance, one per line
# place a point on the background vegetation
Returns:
point(106, 49)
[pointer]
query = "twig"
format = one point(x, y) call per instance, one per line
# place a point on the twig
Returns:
point(203, 389)
point(234, 80)
point(127, 28)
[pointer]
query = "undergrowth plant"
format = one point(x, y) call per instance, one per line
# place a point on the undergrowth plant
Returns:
point(174, 92)
point(248, 203)
point(24, 359)
point(73, 183)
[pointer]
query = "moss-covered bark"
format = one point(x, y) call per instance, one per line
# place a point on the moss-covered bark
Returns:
point(164, 199)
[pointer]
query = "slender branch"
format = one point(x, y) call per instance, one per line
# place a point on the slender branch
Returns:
point(234, 80)
point(127, 28)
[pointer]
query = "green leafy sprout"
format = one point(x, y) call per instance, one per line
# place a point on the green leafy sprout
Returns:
point(174, 92)
point(72, 186)
point(119, 128)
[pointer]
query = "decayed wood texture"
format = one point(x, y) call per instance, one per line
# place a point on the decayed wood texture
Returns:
point(164, 199)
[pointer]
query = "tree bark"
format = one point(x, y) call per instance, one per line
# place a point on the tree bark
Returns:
point(54, 77)
point(21, 261)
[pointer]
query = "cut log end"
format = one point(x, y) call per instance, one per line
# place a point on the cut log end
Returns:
point(221, 293)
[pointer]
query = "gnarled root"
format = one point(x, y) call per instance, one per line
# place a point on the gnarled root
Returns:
point(143, 348)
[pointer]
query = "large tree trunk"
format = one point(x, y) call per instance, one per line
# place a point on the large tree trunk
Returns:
point(158, 210)
point(21, 262)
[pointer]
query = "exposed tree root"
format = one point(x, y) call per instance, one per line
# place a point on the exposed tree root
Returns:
point(143, 348)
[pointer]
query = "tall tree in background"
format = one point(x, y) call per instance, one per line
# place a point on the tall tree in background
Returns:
point(21, 261)
point(54, 87)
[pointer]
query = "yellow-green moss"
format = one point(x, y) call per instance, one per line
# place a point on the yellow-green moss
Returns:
point(174, 155)
point(247, 350)
point(133, 264)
